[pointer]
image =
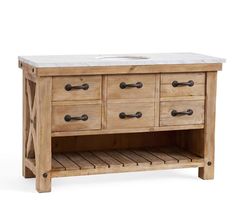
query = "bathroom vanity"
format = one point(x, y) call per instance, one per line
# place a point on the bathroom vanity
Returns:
point(97, 114)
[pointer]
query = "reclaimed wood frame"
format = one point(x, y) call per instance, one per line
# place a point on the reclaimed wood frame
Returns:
point(37, 133)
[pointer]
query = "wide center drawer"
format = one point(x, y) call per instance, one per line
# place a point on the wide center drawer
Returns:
point(76, 117)
point(129, 115)
point(181, 113)
point(131, 86)
point(76, 88)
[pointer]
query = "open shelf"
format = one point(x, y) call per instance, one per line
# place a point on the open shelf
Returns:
point(97, 162)
point(114, 153)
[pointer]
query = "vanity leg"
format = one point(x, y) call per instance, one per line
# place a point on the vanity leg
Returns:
point(207, 172)
point(43, 152)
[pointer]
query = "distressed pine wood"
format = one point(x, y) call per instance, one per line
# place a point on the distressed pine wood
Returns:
point(107, 159)
point(182, 98)
point(128, 169)
point(121, 158)
point(97, 162)
point(65, 161)
point(43, 151)
point(30, 164)
point(128, 130)
point(157, 100)
point(56, 165)
point(166, 119)
point(29, 71)
point(72, 164)
point(26, 172)
point(209, 131)
point(114, 121)
point(167, 89)
point(136, 158)
point(93, 111)
point(104, 101)
point(115, 92)
point(175, 154)
point(105, 143)
point(148, 156)
point(134, 69)
point(31, 96)
point(80, 161)
point(163, 156)
point(168, 78)
point(92, 93)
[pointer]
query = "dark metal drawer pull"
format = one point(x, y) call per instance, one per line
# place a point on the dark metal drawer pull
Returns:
point(68, 118)
point(69, 87)
point(138, 85)
point(176, 83)
point(123, 115)
point(188, 112)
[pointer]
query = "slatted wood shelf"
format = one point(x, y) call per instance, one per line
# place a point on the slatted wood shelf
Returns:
point(97, 162)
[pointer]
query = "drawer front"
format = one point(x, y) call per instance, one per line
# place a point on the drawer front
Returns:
point(76, 117)
point(131, 86)
point(76, 88)
point(181, 113)
point(182, 84)
point(126, 115)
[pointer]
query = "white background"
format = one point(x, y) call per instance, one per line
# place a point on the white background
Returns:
point(90, 27)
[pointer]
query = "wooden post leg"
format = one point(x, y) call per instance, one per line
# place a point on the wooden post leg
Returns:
point(27, 173)
point(43, 133)
point(207, 172)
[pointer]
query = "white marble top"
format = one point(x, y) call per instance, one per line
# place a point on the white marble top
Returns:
point(118, 59)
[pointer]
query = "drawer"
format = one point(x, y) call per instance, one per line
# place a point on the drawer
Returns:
point(192, 113)
point(76, 117)
point(126, 115)
point(76, 88)
point(131, 86)
point(182, 84)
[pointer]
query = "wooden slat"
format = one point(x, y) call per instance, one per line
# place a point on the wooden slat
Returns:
point(121, 158)
point(125, 161)
point(56, 166)
point(190, 155)
point(163, 156)
point(193, 157)
point(173, 153)
point(65, 161)
point(148, 156)
point(107, 159)
point(80, 161)
point(98, 163)
point(138, 159)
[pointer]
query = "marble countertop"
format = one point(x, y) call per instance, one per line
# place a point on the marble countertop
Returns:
point(118, 59)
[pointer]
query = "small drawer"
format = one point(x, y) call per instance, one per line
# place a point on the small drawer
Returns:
point(182, 84)
point(76, 117)
point(181, 113)
point(76, 88)
point(128, 115)
point(131, 86)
